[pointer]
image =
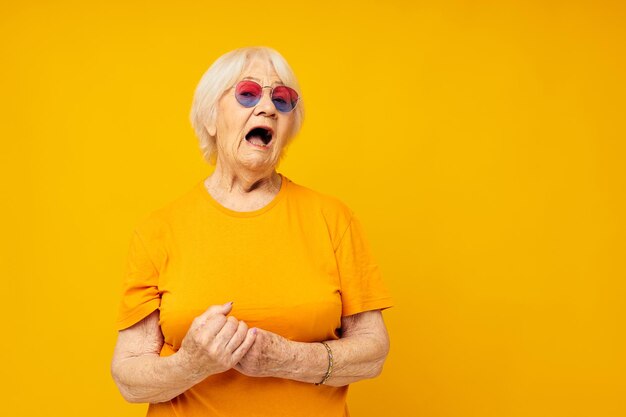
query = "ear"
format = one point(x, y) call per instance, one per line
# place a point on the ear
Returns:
point(211, 128)
point(209, 124)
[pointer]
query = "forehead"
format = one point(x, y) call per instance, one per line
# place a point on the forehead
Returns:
point(260, 70)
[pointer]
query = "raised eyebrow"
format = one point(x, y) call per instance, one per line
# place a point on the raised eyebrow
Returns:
point(259, 81)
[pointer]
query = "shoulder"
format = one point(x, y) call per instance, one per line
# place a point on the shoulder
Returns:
point(156, 222)
point(336, 213)
point(328, 204)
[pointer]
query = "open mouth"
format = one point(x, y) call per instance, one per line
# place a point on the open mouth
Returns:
point(260, 136)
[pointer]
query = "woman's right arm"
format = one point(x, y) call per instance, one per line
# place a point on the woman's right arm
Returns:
point(214, 343)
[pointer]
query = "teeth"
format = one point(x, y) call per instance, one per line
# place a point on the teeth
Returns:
point(259, 136)
point(256, 141)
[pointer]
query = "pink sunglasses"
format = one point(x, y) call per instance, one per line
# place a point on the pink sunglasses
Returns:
point(249, 93)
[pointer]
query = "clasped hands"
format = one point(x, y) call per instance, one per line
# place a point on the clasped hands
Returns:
point(216, 343)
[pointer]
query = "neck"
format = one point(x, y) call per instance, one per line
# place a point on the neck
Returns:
point(243, 183)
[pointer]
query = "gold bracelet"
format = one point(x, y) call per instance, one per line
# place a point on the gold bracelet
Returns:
point(330, 364)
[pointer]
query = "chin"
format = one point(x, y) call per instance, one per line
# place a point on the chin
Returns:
point(256, 163)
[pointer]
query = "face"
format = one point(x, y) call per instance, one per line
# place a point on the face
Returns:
point(239, 144)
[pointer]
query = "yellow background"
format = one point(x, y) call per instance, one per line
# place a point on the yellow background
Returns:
point(482, 143)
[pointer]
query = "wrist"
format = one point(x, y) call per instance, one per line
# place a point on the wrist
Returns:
point(185, 367)
point(329, 371)
point(305, 362)
point(287, 363)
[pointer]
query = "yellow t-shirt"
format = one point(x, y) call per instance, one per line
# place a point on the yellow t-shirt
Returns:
point(293, 267)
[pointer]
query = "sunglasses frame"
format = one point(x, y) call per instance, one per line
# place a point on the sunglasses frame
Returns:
point(262, 92)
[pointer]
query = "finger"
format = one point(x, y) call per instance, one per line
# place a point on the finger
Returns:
point(245, 345)
point(212, 326)
point(238, 337)
point(215, 315)
point(227, 331)
point(223, 309)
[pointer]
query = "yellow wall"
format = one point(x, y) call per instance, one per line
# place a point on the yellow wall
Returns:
point(481, 142)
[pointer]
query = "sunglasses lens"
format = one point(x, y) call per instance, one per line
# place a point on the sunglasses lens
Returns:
point(248, 93)
point(284, 98)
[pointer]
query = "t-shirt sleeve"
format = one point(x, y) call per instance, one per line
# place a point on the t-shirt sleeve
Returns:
point(362, 286)
point(140, 293)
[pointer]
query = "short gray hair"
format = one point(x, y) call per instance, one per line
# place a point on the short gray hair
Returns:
point(220, 76)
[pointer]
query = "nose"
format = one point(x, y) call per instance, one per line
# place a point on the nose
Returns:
point(265, 106)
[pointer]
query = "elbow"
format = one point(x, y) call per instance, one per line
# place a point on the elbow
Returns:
point(118, 383)
point(131, 400)
point(378, 369)
point(382, 353)
point(128, 396)
point(130, 393)
point(117, 375)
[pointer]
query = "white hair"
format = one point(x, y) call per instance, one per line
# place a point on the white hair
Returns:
point(222, 75)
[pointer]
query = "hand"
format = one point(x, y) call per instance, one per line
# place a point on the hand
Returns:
point(215, 343)
point(267, 356)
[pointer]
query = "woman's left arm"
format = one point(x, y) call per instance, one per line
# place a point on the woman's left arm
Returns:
point(359, 354)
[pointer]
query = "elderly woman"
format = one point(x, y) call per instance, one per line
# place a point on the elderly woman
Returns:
point(249, 295)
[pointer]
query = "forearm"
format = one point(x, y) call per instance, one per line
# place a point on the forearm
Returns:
point(355, 358)
point(153, 379)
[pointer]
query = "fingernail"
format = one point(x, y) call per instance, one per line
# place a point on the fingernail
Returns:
point(229, 303)
point(254, 331)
